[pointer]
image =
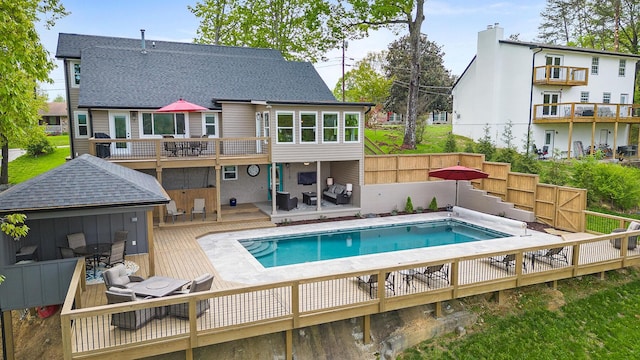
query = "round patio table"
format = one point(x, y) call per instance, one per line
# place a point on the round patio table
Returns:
point(93, 251)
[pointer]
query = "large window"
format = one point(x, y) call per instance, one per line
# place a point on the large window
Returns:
point(163, 124)
point(81, 124)
point(330, 127)
point(584, 96)
point(622, 68)
point(285, 127)
point(594, 65)
point(211, 125)
point(75, 72)
point(308, 127)
point(351, 127)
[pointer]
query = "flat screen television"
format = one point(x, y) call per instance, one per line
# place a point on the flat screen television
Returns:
point(307, 178)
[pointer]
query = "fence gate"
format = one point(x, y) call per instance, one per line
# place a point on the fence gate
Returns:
point(569, 205)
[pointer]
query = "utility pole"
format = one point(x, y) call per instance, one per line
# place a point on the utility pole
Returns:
point(344, 46)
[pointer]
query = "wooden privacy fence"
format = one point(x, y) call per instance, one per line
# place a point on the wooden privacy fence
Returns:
point(558, 206)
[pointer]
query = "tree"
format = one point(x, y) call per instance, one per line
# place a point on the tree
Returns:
point(298, 28)
point(365, 83)
point(435, 79)
point(59, 98)
point(485, 145)
point(357, 17)
point(23, 62)
point(14, 226)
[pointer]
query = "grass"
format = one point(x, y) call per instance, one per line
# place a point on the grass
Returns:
point(59, 140)
point(389, 138)
point(26, 167)
point(600, 320)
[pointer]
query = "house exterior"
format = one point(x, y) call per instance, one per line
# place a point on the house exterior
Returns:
point(55, 118)
point(267, 120)
point(570, 100)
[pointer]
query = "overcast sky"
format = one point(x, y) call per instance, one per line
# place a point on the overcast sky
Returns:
point(453, 24)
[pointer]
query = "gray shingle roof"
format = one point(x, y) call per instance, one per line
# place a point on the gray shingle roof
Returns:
point(84, 182)
point(116, 74)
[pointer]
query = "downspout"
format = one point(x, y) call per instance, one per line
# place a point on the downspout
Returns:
point(69, 114)
point(533, 64)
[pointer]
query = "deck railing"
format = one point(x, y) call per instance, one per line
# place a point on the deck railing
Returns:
point(249, 311)
point(560, 75)
point(586, 112)
point(182, 148)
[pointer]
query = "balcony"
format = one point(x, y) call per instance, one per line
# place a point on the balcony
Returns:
point(586, 112)
point(560, 75)
point(185, 152)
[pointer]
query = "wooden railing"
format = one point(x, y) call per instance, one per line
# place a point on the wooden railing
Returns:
point(283, 306)
point(586, 112)
point(166, 149)
point(560, 75)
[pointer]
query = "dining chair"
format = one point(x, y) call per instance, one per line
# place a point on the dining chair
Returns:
point(76, 240)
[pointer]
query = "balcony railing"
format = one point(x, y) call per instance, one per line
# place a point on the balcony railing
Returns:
point(560, 75)
point(179, 149)
point(586, 112)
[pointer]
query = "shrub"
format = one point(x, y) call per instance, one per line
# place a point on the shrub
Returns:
point(37, 143)
point(408, 208)
point(433, 205)
point(419, 210)
point(485, 145)
point(450, 144)
point(469, 147)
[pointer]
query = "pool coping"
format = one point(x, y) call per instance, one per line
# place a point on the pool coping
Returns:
point(234, 263)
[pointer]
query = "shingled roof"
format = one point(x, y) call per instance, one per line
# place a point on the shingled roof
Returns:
point(84, 182)
point(117, 75)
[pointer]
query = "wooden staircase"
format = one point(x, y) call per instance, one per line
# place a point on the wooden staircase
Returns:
point(371, 148)
point(242, 212)
point(247, 214)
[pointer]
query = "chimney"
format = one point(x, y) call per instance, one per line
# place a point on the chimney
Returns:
point(144, 49)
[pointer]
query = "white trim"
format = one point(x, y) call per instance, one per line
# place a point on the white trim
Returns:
point(216, 125)
point(112, 132)
point(142, 135)
point(293, 127)
point(72, 75)
point(76, 126)
point(300, 128)
point(337, 127)
point(359, 127)
point(233, 172)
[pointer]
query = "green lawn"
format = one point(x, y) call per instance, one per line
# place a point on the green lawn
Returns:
point(59, 140)
point(390, 137)
point(600, 320)
point(26, 167)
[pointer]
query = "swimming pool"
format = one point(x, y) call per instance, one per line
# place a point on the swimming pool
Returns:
point(303, 248)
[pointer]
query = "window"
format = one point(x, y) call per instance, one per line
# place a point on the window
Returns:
point(624, 98)
point(622, 68)
point(584, 97)
point(81, 124)
point(308, 126)
point(285, 127)
point(351, 127)
point(551, 99)
point(50, 120)
point(75, 71)
point(606, 98)
point(211, 125)
point(330, 127)
point(267, 126)
point(594, 65)
point(230, 172)
point(553, 63)
point(163, 124)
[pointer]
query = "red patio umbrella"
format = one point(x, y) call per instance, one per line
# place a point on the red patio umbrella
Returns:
point(458, 173)
point(181, 106)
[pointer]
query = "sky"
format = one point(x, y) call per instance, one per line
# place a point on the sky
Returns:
point(452, 24)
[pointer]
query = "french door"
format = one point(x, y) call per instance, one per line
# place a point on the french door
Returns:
point(120, 128)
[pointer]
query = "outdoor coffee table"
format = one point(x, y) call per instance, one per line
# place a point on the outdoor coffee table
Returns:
point(158, 286)
point(309, 197)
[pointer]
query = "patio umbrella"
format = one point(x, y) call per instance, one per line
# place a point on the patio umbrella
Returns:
point(458, 173)
point(181, 106)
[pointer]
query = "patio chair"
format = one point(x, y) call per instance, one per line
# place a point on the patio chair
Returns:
point(170, 146)
point(285, 202)
point(117, 277)
point(371, 282)
point(203, 144)
point(557, 254)
point(66, 253)
point(120, 235)
point(508, 261)
point(173, 211)
point(116, 255)
point(130, 320)
point(435, 272)
point(76, 240)
point(198, 208)
point(201, 283)
point(633, 240)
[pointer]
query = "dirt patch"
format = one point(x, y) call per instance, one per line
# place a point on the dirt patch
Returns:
point(36, 338)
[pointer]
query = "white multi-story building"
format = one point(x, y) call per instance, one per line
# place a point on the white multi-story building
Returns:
point(568, 100)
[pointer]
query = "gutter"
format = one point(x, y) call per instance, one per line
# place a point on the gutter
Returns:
point(533, 64)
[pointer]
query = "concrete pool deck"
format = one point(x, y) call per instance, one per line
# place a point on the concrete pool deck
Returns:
point(234, 263)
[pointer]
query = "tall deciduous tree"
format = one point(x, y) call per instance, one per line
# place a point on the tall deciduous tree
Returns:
point(23, 62)
point(435, 79)
point(364, 83)
point(298, 28)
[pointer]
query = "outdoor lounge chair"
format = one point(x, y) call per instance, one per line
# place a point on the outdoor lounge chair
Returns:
point(434, 272)
point(173, 211)
point(633, 240)
point(371, 282)
point(508, 261)
point(198, 208)
point(201, 283)
point(117, 277)
point(130, 320)
point(284, 202)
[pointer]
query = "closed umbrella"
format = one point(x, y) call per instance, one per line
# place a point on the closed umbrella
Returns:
point(458, 173)
point(181, 106)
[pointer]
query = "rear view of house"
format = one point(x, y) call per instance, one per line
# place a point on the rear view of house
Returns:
point(269, 124)
point(570, 100)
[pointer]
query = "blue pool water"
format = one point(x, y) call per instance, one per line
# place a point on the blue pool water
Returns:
point(288, 250)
